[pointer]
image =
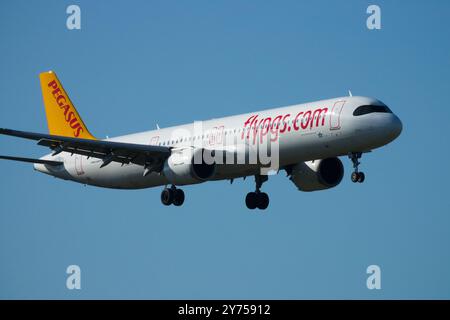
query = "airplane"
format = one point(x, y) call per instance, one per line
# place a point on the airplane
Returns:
point(305, 140)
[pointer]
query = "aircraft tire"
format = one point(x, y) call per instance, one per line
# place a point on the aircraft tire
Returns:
point(178, 197)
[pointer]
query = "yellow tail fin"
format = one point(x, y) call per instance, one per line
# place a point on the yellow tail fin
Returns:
point(62, 117)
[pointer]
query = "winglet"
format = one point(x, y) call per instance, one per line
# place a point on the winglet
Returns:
point(62, 117)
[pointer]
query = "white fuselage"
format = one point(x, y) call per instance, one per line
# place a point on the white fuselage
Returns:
point(303, 132)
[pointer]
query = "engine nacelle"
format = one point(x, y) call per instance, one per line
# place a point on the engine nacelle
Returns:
point(187, 166)
point(317, 174)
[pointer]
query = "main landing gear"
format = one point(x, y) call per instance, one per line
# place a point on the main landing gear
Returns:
point(257, 199)
point(173, 196)
point(357, 176)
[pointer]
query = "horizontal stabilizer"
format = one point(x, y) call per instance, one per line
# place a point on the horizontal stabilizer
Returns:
point(47, 162)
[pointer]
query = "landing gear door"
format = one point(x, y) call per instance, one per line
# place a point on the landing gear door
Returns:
point(335, 118)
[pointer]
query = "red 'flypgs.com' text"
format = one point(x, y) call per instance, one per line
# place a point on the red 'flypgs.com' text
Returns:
point(304, 120)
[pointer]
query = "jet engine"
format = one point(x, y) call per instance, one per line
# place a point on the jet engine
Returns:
point(317, 174)
point(188, 166)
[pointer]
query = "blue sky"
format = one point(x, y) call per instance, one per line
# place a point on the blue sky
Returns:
point(137, 63)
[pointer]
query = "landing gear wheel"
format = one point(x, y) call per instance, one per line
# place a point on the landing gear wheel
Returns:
point(361, 177)
point(357, 176)
point(251, 200)
point(258, 199)
point(167, 196)
point(263, 201)
point(178, 197)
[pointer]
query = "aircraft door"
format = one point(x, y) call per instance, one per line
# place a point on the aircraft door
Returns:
point(335, 118)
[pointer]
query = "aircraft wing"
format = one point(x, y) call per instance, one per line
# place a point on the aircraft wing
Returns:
point(149, 156)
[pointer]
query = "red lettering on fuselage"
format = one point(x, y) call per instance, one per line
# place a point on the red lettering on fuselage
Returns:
point(248, 122)
point(275, 125)
point(302, 121)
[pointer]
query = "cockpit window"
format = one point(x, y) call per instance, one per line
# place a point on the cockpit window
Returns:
point(371, 108)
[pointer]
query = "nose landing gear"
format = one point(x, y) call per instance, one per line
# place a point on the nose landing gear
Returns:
point(173, 196)
point(257, 199)
point(357, 176)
